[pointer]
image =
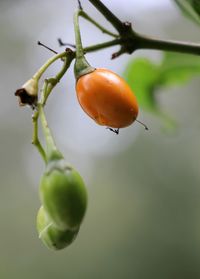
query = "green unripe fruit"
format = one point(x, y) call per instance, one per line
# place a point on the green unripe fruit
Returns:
point(50, 235)
point(63, 195)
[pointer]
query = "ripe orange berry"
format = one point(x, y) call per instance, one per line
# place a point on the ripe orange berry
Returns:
point(107, 98)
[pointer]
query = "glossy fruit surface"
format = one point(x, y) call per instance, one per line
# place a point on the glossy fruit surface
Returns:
point(63, 195)
point(107, 98)
point(50, 235)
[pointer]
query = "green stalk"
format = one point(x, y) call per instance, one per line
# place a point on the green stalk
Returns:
point(103, 45)
point(100, 27)
point(49, 84)
point(52, 153)
point(52, 82)
point(35, 139)
point(81, 66)
point(40, 72)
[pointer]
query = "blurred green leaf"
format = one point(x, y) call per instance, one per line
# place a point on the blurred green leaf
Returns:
point(146, 77)
point(191, 8)
point(178, 68)
point(142, 75)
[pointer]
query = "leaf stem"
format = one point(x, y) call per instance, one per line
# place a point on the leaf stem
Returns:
point(100, 27)
point(103, 45)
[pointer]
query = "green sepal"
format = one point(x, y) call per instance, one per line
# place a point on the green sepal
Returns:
point(54, 155)
point(82, 67)
point(53, 238)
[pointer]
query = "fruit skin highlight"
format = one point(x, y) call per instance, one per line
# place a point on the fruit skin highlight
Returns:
point(107, 98)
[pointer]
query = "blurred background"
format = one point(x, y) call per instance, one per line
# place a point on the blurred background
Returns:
point(143, 217)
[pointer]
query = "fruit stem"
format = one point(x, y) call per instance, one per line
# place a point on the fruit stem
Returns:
point(35, 139)
point(53, 81)
point(40, 72)
point(52, 153)
point(81, 66)
point(49, 84)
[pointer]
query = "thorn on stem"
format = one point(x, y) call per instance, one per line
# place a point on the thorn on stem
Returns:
point(41, 44)
point(60, 42)
point(117, 54)
point(127, 24)
point(114, 55)
point(80, 5)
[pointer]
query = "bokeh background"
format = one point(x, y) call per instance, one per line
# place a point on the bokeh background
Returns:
point(143, 217)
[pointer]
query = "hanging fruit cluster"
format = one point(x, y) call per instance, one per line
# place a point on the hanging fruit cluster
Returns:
point(109, 101)
point(64, 198)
